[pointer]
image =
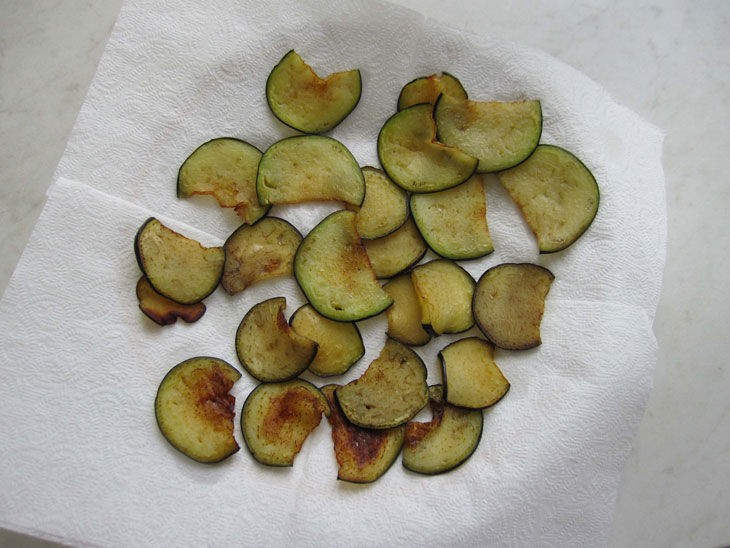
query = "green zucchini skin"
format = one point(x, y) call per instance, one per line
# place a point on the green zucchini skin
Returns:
point(456, 88)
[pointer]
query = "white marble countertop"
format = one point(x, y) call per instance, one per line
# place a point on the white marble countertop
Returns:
point(667, 61)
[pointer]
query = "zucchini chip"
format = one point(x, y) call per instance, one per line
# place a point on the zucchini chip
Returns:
point(509, 301)
point(255, 252)
point(427, 89)
point(385, 207)
point(363, 454)
point(309, 168)
point(162, 310)
point(195, 411)
point(500, 134)
point(445, 442)
point(177, 267)
point(414, 160)
point(268, 348)
point(557, 194)
point(394, 253)
point(306, 102)
point(391, 392)
point(454, 222)
point(471, 377)
point(333, 270)
point(444, 290)
point(226, 169)
point(404, 317)
point(340, 344)
point(277, 418)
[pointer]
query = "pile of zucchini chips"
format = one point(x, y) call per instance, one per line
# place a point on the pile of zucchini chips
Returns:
point(358, 262)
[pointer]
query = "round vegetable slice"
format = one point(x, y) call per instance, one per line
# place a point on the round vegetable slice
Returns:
point(385, 207)
point(444, 290)
point(404, 317)
point(162, 310)
point(427, 89)
point(394, 253)
point(195, 411)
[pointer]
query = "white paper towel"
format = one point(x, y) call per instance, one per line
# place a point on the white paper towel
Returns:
point(82, 458)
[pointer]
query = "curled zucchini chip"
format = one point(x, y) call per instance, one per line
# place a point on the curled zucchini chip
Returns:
point(392, 390)
point(557, 194)
point(162, 310)
point(445, 442)
point(278, 417)
point(363, 454)
point(414, 160)
point(454, 222)
point(404, 317)
point(500, 134)
point(445, 291)
point(394, 253)
point(306, 102)
point(268, 348)
point(340, 344)
point(255, 252)
point(333, 270)
point(226, 169)
point(195, 411)
point(427, 89)
point(177, 267)
point(385, 207)
point(308, 168)
point(471, 377)
point(509, 302)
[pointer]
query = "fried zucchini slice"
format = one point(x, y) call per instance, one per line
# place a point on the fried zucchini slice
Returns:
point(444, 290)
point(363, 454)
point(278, 417)
point(255, 252)
point(268, 348)
point(509, 302)
point(427, 89)
point(414, 160)
point(195, 411)
point(334, 272)
point(392, 390)
point(306, 102)
point(557, 194)
point(499, 134)
point(226, 169)
point(177, 267)
point(308, 168)
point(445, 442)
point(404, 317)
point(470, 375)
point(394, 253)
point(454, 221)
point(340, 344)
point(385, 207)
point(162, 310)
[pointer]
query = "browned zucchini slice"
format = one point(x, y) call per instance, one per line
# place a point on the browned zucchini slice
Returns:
point(454, 221)
point(255, 252)
point(394, 253)
point(162, 310)
point(414, 160)
point(392, 390)
point(427, 89)
point(307, 168)
point(509, 301)
point(278, 417)
point(444, 290)
point(557, 194)
point(363, 454)
point(471, 377)
point(404, 317)
point(384, 208)
point(268, 348)
point(306, 102)
point(445, 442)
point(499, 134)
point(177, 267)
point(226, 169)
point(195, 411)
point(333, 270)
point(340, 344)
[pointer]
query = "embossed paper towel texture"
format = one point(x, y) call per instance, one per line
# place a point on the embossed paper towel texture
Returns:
point(82, 458)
